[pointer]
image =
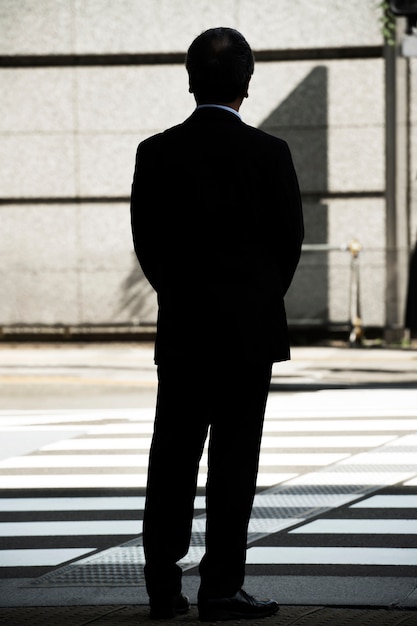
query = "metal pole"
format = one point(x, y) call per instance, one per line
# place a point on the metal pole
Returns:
point(356, 333)
point(397, 172)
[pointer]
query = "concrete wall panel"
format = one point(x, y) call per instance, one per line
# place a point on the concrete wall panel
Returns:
point(113, 286)
point(37, 165)
point(146, 26)
point(36, 27)
point(363, 220)
point(356, 159)
point(304, 303)
point(39, 237)
point(122, 99)
point(104, 26)
point(338, 222)
point(316, 93)
point(305, 24)
point(71, 264)
point(343, 160)
point(106, 164)
point(105, 237)
point(87, 146)
point(39, 261)
point(37, 100)
point(116, 296)
point(46, 297)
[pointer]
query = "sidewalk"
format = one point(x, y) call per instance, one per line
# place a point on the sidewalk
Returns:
point(311, 368)
point(344, 367)
point(135, 615)
point(314, 367)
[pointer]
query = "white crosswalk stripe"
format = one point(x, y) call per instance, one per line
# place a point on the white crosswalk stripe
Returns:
point(40, 558)
point(320, 451)
point(75, 528)
point(331, 556)
point(351, 538)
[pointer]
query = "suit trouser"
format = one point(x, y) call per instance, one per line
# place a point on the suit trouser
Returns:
point(227, 403)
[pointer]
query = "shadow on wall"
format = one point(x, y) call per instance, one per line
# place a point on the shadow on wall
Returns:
point(138, 299)
point(302, 120)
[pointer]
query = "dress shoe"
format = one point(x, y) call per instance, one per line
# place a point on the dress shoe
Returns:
point(169, 607)
point(239, 606)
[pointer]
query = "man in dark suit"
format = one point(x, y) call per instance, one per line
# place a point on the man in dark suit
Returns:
point(217, 227)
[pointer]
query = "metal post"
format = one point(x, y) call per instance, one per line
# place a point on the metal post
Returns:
point(356, 335)
point(397, 187)
point(356, 332)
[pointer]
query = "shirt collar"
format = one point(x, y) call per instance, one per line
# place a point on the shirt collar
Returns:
point(220, 106)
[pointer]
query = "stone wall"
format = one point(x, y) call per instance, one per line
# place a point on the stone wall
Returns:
point(83, 81)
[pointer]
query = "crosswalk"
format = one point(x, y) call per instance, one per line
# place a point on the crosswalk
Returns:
point(362, 553)
point(337, 488)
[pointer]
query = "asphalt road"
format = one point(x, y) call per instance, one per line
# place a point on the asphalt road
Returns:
point(357, 405)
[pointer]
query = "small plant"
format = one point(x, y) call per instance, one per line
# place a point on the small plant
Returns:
point(387, 23)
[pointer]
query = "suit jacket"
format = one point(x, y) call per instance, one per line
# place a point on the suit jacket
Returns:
point(217, 228)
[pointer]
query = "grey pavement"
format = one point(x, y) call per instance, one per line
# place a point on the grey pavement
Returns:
point(130, 366)
point(126, 615)
point(51, 375)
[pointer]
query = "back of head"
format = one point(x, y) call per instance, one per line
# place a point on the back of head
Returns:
point(220, 63)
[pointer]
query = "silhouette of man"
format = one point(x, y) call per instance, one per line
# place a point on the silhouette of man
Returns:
point(411, 301)
point(217, 228)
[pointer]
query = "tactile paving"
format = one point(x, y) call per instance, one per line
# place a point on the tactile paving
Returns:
point(123, 564)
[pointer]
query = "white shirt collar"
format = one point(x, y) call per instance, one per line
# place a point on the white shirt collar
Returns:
point(220, 106)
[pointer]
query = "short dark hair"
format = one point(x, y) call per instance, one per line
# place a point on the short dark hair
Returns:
point(219, 63)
